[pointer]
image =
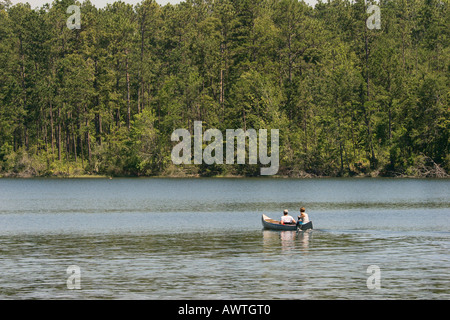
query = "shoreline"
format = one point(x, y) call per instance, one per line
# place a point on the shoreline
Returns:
point(198, 176)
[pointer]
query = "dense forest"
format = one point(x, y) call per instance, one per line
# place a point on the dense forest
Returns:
point(104, 99)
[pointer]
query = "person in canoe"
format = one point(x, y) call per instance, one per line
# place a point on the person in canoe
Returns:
point(303, 218)
point(287, 219)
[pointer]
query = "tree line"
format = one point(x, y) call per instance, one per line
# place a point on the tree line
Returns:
point(105, 98)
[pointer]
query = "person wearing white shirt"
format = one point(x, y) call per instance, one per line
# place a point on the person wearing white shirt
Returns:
point(287, 219)
point(303, 218)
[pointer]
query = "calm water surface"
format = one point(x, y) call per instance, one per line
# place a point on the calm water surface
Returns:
point(203, 238)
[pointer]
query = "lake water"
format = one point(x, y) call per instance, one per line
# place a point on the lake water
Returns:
point(203, 239)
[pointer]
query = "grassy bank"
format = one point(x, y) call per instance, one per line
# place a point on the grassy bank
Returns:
point(194, 172)
point(28, 164)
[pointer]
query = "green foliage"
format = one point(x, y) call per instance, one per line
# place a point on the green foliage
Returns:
point(105, 99)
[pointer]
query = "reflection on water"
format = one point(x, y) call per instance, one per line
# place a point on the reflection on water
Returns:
point(288, 240)
point(203, 239)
